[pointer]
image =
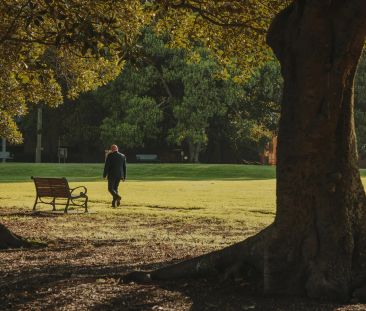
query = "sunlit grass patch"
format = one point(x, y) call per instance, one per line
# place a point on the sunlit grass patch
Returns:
point(150, 210)
point(190, 212)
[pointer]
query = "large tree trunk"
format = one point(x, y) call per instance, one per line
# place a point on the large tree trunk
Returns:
point(317, 243)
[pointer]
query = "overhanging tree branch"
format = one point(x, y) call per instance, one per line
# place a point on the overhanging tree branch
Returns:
point(216, 19)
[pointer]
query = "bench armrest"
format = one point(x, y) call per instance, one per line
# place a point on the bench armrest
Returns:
point(81, 192)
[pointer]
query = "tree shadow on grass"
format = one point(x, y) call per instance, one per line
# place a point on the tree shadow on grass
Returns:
point(24, 288)
point(42, 214)
point(206, 295)
point(174, 208)
point(203, 294)
point(64, 286)
point(31, 214)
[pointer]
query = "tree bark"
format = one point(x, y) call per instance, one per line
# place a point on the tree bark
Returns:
point(194, 151)
point(318, 239)
point(197, 151)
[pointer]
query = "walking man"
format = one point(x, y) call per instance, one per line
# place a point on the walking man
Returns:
point(115, 171)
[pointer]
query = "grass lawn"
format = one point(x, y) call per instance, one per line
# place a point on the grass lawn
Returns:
point(169, 213)
point(188, 194)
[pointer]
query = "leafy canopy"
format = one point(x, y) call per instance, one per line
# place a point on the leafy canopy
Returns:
point(50, 49)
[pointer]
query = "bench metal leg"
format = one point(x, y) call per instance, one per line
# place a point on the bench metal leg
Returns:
point(86, 204)
point(35, 203)
point(53, 204)
point(67, 205)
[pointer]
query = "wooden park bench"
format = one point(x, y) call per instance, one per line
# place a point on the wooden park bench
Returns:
point(50, 189)
point(147, 158)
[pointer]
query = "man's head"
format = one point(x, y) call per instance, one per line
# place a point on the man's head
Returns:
point(114, 148)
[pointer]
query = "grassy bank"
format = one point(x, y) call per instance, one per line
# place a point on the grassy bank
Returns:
point(12, 172)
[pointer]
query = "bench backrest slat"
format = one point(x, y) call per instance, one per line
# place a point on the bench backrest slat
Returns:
point(52, 187)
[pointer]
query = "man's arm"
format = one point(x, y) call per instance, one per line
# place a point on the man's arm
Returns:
point(124, 168)
point(106, 166)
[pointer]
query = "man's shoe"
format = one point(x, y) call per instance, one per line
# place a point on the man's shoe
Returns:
point(114, 203)
point(118, 199)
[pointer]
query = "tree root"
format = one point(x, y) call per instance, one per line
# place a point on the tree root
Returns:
point(241, 259)
point(12, 240)
point(247, 261)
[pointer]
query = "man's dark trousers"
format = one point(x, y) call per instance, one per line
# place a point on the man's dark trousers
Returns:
point(113, 183)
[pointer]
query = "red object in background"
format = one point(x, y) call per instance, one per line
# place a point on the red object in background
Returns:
point(269, 154)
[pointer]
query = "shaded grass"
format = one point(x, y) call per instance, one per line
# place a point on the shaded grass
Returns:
point(14, 172)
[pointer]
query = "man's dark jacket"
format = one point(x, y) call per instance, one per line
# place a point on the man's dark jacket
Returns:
point(115, 166)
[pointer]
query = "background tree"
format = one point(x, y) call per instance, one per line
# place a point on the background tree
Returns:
point(137, 99)
point(253, 118)
point(203, 97)
point(166, 93)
